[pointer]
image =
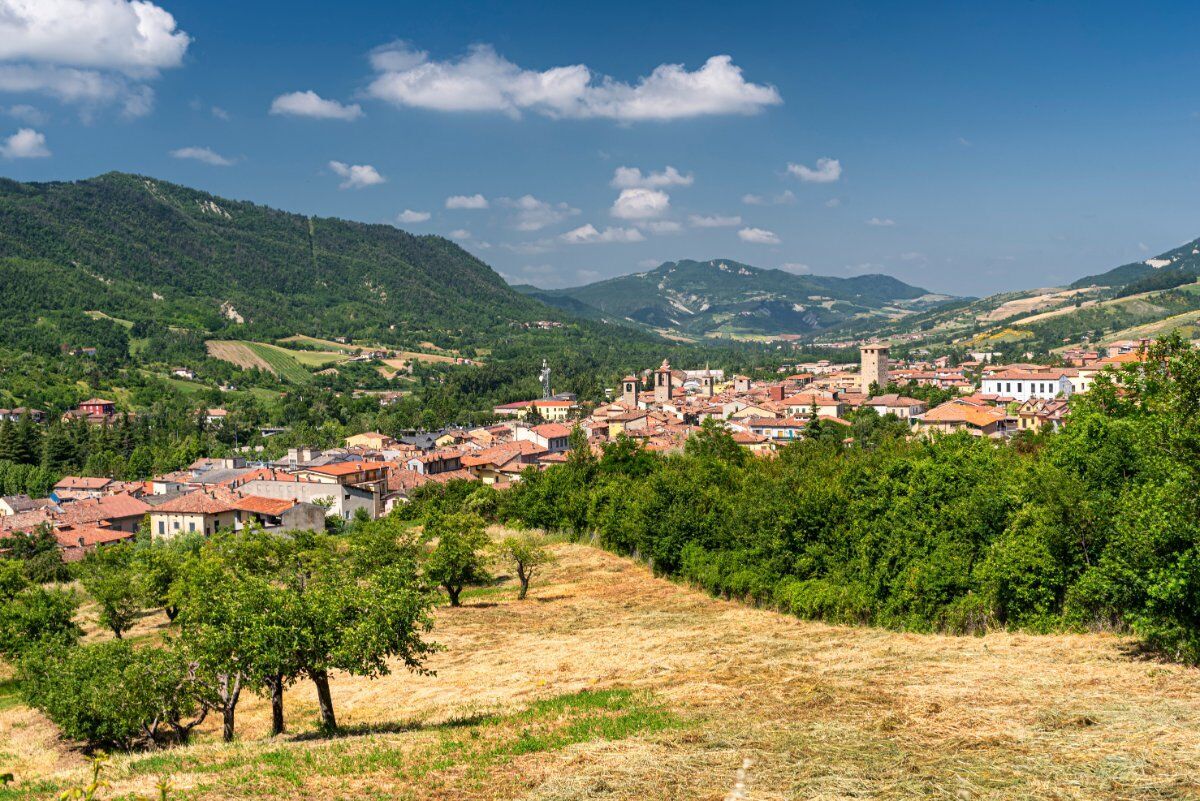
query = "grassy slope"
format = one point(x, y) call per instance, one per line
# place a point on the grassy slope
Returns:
point(284, 362)
point(612, 684)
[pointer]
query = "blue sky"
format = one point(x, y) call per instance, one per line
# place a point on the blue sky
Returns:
point(967, 148)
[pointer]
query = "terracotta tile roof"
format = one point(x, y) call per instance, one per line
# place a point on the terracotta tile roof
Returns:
point(195, 503)
point(972, 415)
point(83, 482)
point(109, 507)
point(552, 430)
point(264, 506)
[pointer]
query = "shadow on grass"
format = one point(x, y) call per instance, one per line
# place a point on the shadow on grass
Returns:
point(394, 727)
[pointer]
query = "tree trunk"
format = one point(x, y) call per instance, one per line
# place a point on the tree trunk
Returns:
point(324, 701)
point(454, 592)
point(276, 685)
point(521, 593)
point(172, 613)
point(227, 722)
point(117, 633)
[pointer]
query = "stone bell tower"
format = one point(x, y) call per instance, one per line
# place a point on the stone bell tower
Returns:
point(630, 387)
point(873, 366)
point(662, 383)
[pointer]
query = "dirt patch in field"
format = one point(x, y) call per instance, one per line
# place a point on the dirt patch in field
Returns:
point(237, 354)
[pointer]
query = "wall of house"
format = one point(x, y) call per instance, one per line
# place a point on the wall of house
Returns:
point(346, 500)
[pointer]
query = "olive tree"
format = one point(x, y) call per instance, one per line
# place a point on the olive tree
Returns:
point(524, 554)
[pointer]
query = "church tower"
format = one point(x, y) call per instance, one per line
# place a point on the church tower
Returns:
point(630, 386)
point(706, 383)
point(873, 366)
point(662, 383)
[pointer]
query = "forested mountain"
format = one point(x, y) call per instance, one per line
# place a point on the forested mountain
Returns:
point(727, 297)
point(1167, 269)
point(137, 248)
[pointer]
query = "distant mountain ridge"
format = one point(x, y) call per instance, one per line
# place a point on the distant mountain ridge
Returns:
point(723, 296)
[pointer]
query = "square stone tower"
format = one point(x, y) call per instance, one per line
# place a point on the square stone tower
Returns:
point(662, 383)
point(630, 386)
point(873, 366)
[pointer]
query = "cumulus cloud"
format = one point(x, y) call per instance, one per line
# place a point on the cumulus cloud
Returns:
point(358, 176)
point(88, 52)
point(826, 172)
point(311, 104)
point(25, 144)
point(882, 222)
point(202, 154)
point(630, 177)
point(476, 201)
point(640, 204)
point(410, 216)
point(782, 199)
point(534, 215)
point(759, 236)
point(713, 221)
point(483, 80)
point(589, 234)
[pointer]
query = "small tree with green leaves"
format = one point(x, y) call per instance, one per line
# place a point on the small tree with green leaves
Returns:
point(525, 554)
point(459, 558)
point(109, 575)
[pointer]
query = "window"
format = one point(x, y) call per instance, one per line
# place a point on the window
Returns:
point(162, 528)
point(191, 526)
point(176, 525)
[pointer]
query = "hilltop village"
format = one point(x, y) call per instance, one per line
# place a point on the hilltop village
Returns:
point(659, 408)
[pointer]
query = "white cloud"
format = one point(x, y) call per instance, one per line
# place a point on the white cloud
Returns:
point(713, 220)
point(782, 199)
point(833, 202)
point(132, 36)
point(1142, 246)
point(827, 171)
point(310, 104)
point(357, 176)
point(26, 113)
point(204, 154)
point(410, 216)
point(586, 275)
point(25, 144)
point(86, 88)
point(630, 177)
point(663, 227)
point(460, 233)
point(588, 234)
point(881, 222)
point(482, 80)
point(649, 263)
point(534, 215)
point(466, 202)
point(795, 267)
point(759, 236)
point(640, 204)
point(912, 255)
point(88, 51)
point(220, 113)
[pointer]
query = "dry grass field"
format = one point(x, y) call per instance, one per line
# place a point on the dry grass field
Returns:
point(611, 684)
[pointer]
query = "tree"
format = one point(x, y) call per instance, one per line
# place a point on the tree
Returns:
point(458, 559)
point(713, 442)
point(158, 564)
point(525, 554)
point(109, 576)
point(33, 616)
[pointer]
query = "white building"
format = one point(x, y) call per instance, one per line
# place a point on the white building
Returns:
point(1021, 385)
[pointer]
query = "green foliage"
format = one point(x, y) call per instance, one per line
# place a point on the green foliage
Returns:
point(33, 617)
point(525, 554)
point(111, 577)
point(110, 694)
point(458, 558)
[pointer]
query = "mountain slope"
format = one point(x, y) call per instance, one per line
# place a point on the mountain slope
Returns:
point(726, 297)
point(1183, 260)
point(139, 248)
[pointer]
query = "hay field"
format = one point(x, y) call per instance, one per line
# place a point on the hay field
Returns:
point(611, 684)
point(286, 363)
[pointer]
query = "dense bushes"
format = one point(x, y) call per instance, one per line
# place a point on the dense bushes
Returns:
point(1097, 526)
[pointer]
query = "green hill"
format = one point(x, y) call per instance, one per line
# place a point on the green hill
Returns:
point(726, 297)
point(136, 248)
point(1164, 270)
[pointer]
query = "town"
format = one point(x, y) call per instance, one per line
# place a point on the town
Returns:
point(659, 408)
